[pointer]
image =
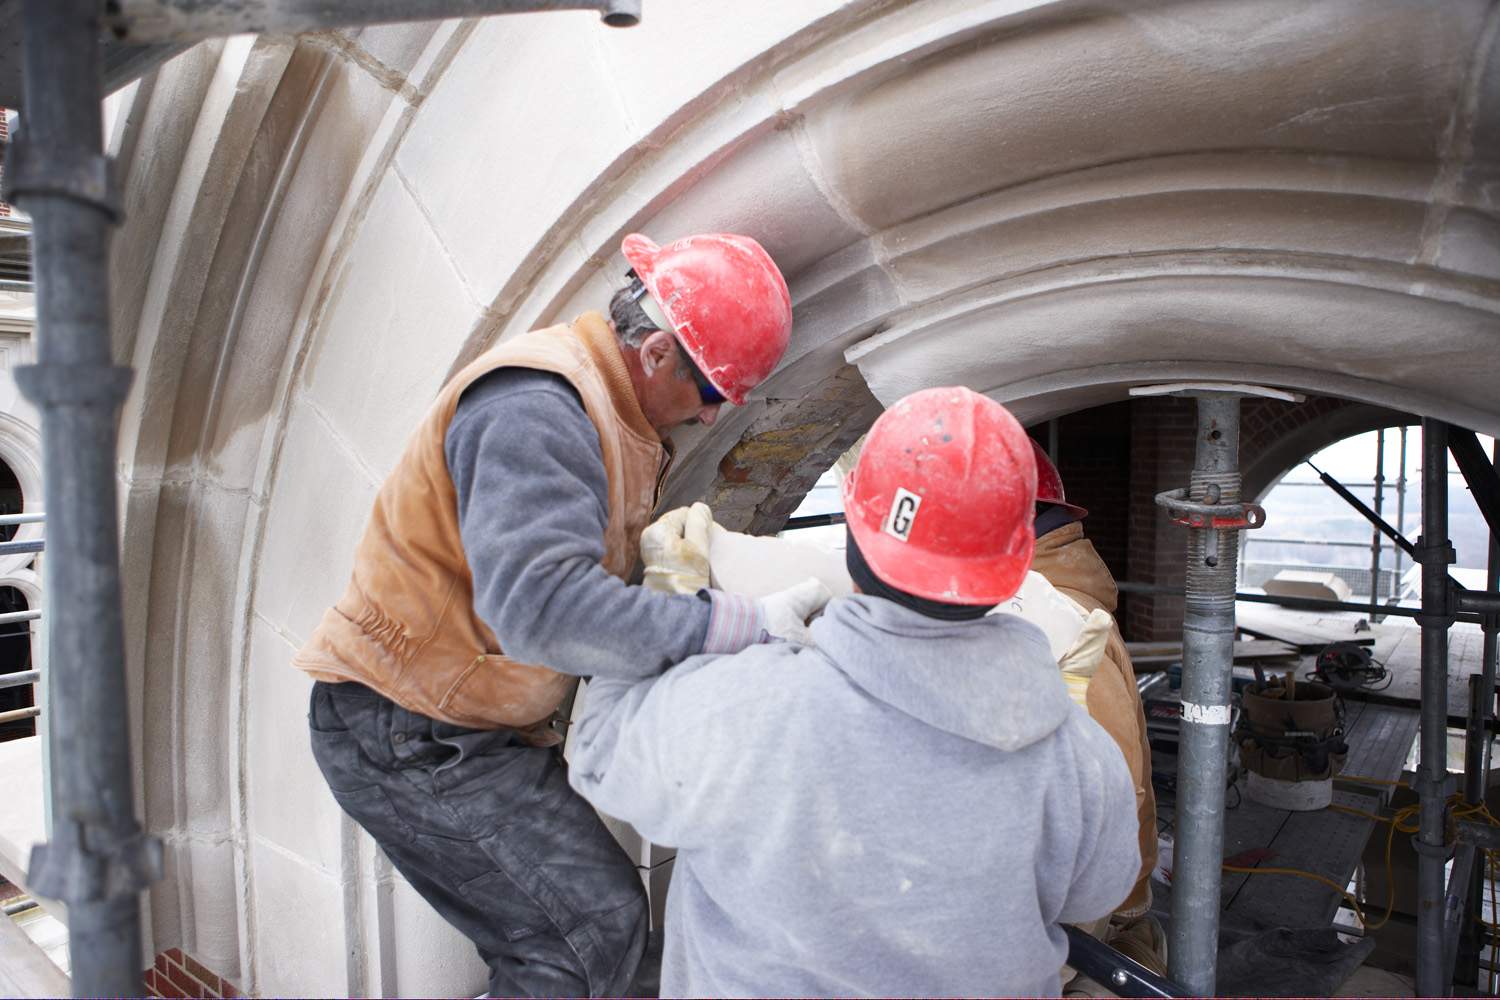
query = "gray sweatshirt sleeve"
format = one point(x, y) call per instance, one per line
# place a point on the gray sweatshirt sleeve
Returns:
point(1109, 854)
point(532, 509)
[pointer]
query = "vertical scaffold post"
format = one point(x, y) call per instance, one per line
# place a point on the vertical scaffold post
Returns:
point(98, 860)
point(1431, 842)
point(1207, 656)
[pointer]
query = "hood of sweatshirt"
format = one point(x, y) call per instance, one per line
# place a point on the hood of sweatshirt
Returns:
point(992, 680)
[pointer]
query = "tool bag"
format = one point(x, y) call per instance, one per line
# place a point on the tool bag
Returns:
point(1301, 739)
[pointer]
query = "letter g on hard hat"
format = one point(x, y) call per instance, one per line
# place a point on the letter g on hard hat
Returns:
point(942, 501)
point(1049, 484)
point(724, 299)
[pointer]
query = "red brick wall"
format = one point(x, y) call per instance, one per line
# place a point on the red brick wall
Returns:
point(1114, 459)
point(179, 975)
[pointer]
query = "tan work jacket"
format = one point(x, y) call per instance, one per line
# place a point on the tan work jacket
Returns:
point(406, 626)
point(1070, 564)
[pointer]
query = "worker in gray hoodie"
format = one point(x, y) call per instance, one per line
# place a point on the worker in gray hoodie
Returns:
point(911, 804)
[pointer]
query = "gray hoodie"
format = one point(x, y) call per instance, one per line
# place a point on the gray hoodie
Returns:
point(912, 807)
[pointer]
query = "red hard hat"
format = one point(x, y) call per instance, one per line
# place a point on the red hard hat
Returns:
point(726, 301)
point(1049, 487)
point(942, 501)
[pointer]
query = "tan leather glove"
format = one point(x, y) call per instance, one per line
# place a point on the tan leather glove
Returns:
point(1082, 658)
point(674, 548)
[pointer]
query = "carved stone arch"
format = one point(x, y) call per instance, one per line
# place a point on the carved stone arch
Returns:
point(21, 449)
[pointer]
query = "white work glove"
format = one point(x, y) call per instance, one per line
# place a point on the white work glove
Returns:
point(1082, 659)
point(675, 550)
point(786, 612)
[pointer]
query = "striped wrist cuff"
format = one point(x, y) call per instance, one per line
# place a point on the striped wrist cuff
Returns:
point(734, 623)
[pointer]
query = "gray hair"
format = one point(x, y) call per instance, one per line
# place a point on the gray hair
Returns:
point(632, 325)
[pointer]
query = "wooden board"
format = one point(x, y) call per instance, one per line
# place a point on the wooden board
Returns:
point(1267, 626)
point(1151, 653)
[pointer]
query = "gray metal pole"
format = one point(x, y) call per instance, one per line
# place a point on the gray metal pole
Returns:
point(1207, 659)
point(1400, 515)
point(98, 860)
point(1375, 539)
point(147, 21)
point(1491, 631)
point(1431, 842)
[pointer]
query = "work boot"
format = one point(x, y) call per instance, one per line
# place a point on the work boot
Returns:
point(1142, 939)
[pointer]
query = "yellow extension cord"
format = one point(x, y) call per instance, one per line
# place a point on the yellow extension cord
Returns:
point(1402, 820)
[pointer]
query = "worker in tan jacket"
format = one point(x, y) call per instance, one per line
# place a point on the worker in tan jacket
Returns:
point(1069, 562)
point(492, 575)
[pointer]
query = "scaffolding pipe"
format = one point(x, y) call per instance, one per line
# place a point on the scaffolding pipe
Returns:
point(1375, 543)
point(139, 22)
point(1477, 755)
point(98, 860)
point(1207, 661)
point(1400, 516)
point(1431, 842)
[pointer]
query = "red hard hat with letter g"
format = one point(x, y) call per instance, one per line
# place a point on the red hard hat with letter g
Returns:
point(725, 301)
point(942, 501)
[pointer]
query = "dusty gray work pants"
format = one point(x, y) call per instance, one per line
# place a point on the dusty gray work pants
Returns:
point(488, 831)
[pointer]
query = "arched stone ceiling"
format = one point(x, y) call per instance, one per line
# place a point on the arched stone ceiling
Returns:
point(1048, 201)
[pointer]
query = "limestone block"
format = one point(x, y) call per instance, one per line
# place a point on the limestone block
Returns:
point(686, 48)
point(763, 190)
point(431, 957)
point(282, 283)
point(214, 907)
point(204, 651)
point(1307, 583)
point(397, 47)
point(386, 343)
point(302, 944)
point(1351, 341)
point(289, 802)
point(319, 510)
point(519, 126)
point(757, 566)
point(1076, 96)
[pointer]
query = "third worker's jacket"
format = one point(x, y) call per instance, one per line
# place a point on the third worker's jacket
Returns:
point(1069, 562)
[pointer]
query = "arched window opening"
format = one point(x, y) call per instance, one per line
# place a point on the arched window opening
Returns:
point(1310, 528)
point(15, 657)
point(12, 500)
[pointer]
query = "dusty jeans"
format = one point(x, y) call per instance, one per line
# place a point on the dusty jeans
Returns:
point(488, 831)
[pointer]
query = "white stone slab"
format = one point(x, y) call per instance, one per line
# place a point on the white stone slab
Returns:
point(396, 319)
point(301, 942)
point(22, 821)
point(319, 511)
point(522, 122)
point(290, 804)
point(1307, 583)
point(432, 958)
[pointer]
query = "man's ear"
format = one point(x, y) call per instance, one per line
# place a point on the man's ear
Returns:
point(656, 350)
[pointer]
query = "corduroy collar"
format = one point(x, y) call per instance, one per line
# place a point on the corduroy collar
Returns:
point(605, 347)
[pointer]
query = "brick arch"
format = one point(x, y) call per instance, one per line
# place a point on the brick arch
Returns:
point(1276, 436)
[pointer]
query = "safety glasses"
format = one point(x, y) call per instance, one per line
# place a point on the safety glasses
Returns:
point(706, 390)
